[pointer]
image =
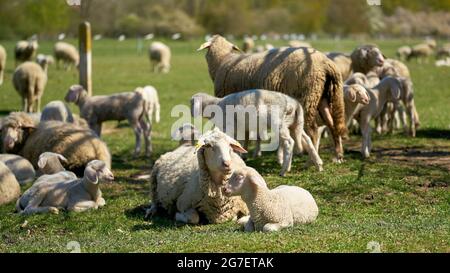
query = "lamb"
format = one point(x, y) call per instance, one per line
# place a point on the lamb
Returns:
point(2, 63)
point(288, 118)
point(150, 96)
point(25, 50)
point(315, 83)
point(57, 110)
point(369, 80)
point(79, 145)
point(52, 170)
point(128, 105)
point(67, 54)
point(403, 52)
point(393, 68)
point(185, 184)
point(248, 45)
point(9, 187)
point(271, 210)
point(421, 52)
point(389, 89)
point(76, 195)
point(29, 80)
point(21, 168)
point(160, 56)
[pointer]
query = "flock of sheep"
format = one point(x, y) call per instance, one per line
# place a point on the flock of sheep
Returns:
point(205, 181)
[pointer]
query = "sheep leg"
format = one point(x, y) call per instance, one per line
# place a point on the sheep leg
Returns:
point(38, 105)
point(325, 113)
point(101, 202)
point(33, 205)
point(272, 227)
point(412, 117)
point(365, 130)
point(96, 127)
point(24, 104)
point(146, 127)
point(83, 206)
point(298, 148)
point(137, 132)
point(312, 152)
point(287, 142)
point(280, 155)
point(188, 217)
point(257, 152)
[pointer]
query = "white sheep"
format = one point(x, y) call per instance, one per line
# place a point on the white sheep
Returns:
point(403, 52)
point(150, 95)
point(2, 63)
point(51, 163)
point(67, 54)
point(29, 80)
point(421, 52)
point(388, 90)
point(9, 187)
point(21, 168)
point(271, 210)
point(160, 56)
point(74, 195)
point(189, 180)
point(25, 50)
point(128, 105)
point(288, 120)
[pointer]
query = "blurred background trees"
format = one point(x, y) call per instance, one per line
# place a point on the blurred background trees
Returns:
point(191, 18)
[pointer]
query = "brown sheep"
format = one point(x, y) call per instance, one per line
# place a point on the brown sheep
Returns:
point(303, 73)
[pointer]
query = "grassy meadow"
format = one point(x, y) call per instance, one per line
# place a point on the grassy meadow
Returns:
point(399, 198)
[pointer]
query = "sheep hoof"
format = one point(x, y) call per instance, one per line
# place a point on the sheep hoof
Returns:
point(53, 210)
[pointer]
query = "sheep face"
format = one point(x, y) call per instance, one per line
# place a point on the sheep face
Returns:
point(243, 181)
point(96, 171)
point(375, 57)
point(357, 93)
point(47, 157)
point(74, 93)
point(12, 137)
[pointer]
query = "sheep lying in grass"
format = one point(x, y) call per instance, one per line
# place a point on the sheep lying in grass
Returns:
point(160, 56)
point(79, 145)
point(25, 50)
point(128, 105)
point(287, 118)
point(21, 168)
point(67, 54)
point(9, 187)
point(2, 63)
point(388, 90)
point(270, 210)
point(189, 181)
point(29, 80)
point(76, 195)
point(52, 170)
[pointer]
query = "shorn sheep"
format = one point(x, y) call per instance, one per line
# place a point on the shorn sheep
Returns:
point(25, 51)
point(76, 195)
point(29, 80)
point(22, 169)
point(302, 73)
point(67, 54)
point(271, 210)
point(9, 187)
point(160, 56)
point(287, 118)
point(129, 106)
point(150, 95)
point(2, 63)
point(79, 145)
point(189, 180)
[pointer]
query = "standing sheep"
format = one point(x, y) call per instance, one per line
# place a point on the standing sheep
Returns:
point(30, 80)
point(9, 187)
point(21, 168)
point(271, 210)
point(403, 52)
point(189, 180)
point(366, 57)
point(2, 63)
point(150, 96)
point(25, 51)
point(421, 52)
point(67, 54)
point(160, 56)
point(303, 73)
point(287, 118)
point(79, 145)
point(128, 105)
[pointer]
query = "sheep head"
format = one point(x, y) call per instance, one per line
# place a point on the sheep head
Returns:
point(96, 171)
point(50, 163)
point(218, 42)
point(244, 181)
point(356, 93)
point(75, 93)
point(366, 58)
point(15, 130)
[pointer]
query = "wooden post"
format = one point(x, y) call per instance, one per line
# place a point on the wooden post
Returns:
point(85, 56)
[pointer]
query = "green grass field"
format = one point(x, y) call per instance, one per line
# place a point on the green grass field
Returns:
point(398, 198)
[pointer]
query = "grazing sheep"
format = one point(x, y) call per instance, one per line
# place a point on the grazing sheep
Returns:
point(2, 63)
point(187, 134)
point(20, 167)
point(288, 118)
point(128, 105)
point(160, 56)
point(343, 63)
point(150, 96)
point(388, 90)
point(271, 210)
point(79, 145)
point(67, 54)
point(29, 80)
point(248, 45)
point(403, 52)
point(9, 187)
point(421, 52)
point(25, 51)
point(57, 110)
point(303, 73)
point(74, 195)
point(189, 180)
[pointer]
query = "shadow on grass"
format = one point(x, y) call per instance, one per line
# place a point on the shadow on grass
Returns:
point(433, 133)
point(160, 222)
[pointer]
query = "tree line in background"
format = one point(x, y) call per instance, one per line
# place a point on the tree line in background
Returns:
point(191, 18)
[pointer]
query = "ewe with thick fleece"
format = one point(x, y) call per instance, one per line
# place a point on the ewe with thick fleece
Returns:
point(186, 183)
point(79, 145)
point(29, 80)
point(25, 51)
point(2, 63)
point(388, 90)
point(287, 118)
point(9, 187)
point(21, 168)
point(150, 96)
point(67, 54)
point(343, 63)
point(128, 105)
point(75, 195)
point(160, 56)
point(303, 73)
point(271, 210)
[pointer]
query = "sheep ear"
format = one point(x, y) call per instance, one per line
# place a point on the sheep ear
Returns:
point(351, 94)
point(258, 181)
point(236, 146)
point(42, 162)
point(204, 46)
point(62, 158)
point(91, 174)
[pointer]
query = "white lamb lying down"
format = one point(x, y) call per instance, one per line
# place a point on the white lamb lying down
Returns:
point(74, 195)
point(270, 210)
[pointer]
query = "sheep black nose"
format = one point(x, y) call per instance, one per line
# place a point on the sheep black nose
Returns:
point(227, 163)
